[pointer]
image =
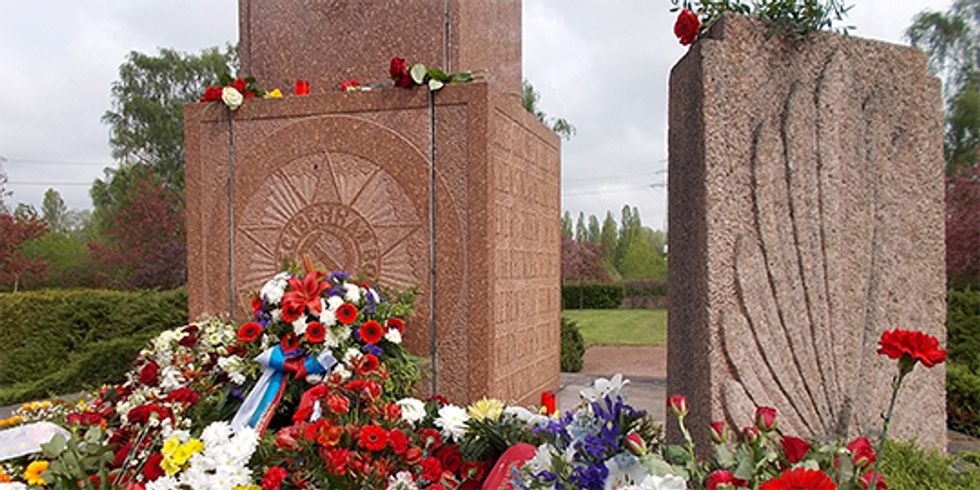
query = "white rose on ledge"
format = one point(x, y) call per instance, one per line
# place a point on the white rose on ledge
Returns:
point(232, 97)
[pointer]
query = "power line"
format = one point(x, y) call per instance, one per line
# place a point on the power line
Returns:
point(41, 182)
point(70, 163)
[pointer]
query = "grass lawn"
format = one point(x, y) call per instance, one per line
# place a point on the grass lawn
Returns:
point(620, 327)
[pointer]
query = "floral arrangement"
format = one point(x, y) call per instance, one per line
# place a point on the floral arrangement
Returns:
point(795, 18)
point(419, 74)
point(234, 91)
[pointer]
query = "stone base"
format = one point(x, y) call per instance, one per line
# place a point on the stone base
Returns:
point(345, 179)
point(806, 217)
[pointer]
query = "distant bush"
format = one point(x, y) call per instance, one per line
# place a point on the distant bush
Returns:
point(572, 347)
point(649, 287)
point(62, 341)
point(908, 467)
point(592, 296)
point(963, 370)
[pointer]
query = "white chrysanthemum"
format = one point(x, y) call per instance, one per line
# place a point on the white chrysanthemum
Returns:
point(216, 434)
point(334, 302)
point(171, 378)
point(666, 482)
point(163, 483)
point(413, 410)
point(353, 293)
point(402, 481)
point(273, 290)
point(394, 336)
point(327, 317)
point(452, 420)
point(299, 326)
point(330, 339)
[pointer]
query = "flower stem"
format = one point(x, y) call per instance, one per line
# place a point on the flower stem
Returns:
point(896, 384)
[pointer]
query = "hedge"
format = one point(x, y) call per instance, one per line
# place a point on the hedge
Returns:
point(592, 296)
point(572, 347)
point(963, 371)
point(63, 341)
point(647, 287)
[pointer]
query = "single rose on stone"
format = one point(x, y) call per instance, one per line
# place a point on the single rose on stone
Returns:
point(351, 85)
point(399, 73)
point(765, 418)
point(719, 432)
point(232, 97)
point(687, 27)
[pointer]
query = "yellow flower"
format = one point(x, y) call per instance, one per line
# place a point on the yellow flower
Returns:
point(248, 487)
point(194, 446)
point(274, 94)
point(171, 445)
point(10, 422)
point(486, 409)
point(169, 466)
point(33, 472)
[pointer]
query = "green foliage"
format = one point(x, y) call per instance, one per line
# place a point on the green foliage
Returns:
point(792, 18)
point(566, 224)
point(73, 460)
point(609, 237)
point(908, 467)
point(592, 296)
point(962, 399)
point(53, 211)
point(69, 262)
point(641, 261)
point(581, 232)
point(530, 98)
point(963, 369)
point(646, 288)
point(58, 342)
point(572, 347)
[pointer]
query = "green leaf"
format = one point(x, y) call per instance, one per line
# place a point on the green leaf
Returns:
point(418, 73)
point(461, 77)
point(438, 74)
point(435, 85)
point(53, 448)
point(724, 456)
point(225, 79)
point(676, 454)
point(746, 466)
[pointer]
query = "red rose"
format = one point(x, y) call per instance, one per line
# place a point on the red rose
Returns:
point(338, 404)
point(718, 478)
point(431, 469)
point(719, 432)
point(687, 27)
point(399, 73)
point(152, 469)
point(239, 85)
point(398, 441)
point(800, 478)
point(396, 323)
point(677, 405)
point(249, 332)
point(765, 418)
point(373, 438)
point(795, 449)
point(148, 374)
point(315, 333)
point(549, 402)
point(430, 438)
point(862, 453)
point(879, 481)
point(337, 460)
point(450, 458)
point(346, 313)
point(183, 395)
point(273, 478)
point(142, 413)
point(212, 94)
point(750, 434)
point(918, 346)
point(371, 332)
point(348, 85)
point(188, 341)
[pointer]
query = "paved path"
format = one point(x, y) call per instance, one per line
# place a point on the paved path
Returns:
point(646, 368)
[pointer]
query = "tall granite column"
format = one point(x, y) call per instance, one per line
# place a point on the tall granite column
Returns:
point(806, 217)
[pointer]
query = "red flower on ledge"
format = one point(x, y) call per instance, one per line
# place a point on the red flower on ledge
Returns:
point(800, 478)
point(399, 73)
point(687, 27)
point(918, 346)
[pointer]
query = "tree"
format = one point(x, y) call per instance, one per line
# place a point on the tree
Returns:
point(629, 231)
point(952, 41)
point(655, 238)
point(609, 237)
point(963, 228)
point(642, 261)
point(581, 232)
point(530, 98)
point(581, 262)
point(14, 265)
point(53, 211)
point(146, 121)
point(566, 225)
point(595, 232)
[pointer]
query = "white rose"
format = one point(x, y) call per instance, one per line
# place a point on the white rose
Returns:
point(394, 336)
point(413, 410)
point(232, 97)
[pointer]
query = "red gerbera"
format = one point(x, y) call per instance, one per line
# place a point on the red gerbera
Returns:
point(373, 438)
point(800, 479)
point(918, 346)
point(718, 478)
point(367, 364)
point(346, 313)
point(315, 332)
point(795, 449)
point(396, 323)
point(687, 27)
point(371, 332)
point(249, 332)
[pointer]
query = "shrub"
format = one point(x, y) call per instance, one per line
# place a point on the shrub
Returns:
point(63, 341)
point(962, 399)
point(908, 467)
point(572, 347)
point(963, 371)
point(650, 287)
point(592, 296)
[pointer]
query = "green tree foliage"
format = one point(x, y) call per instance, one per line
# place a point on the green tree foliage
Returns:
point(566, 225)
point(610, 236)
point(530, 98)
point(595, 231)
point(952, 41)
point(581, 231)
point(146, 122)
point(630, 227)
point(67, 255)
point(642, 261)
point(53, 211)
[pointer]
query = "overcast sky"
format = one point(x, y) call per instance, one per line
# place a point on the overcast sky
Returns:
point(601, 64)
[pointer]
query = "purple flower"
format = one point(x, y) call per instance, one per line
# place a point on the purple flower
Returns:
point(373, 349)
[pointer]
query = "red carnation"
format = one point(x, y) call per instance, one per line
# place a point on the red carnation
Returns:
point(718, 478)
point(918, 346)
point(430, 438)
point(373, 438)
point(687, 27)
point(148, 374)
point(346, 313)
point(273, 478)
point(800, 478)
point(431, 469)
point(212, 94)
point(474, 471)
point(338, 404)
point(398, 441)
point(120, 455)
point(371, 332)
point(450, 458)
point(862, 454)
point(337, 460)
point(183, 395)
point(396, 323)
point(348, 85)
point(249, 332)
point(399, 73)
point(795, 449)
point(152, 469)
point(315, 333)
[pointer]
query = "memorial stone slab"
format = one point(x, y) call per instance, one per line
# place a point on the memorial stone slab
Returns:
point(806, 218)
